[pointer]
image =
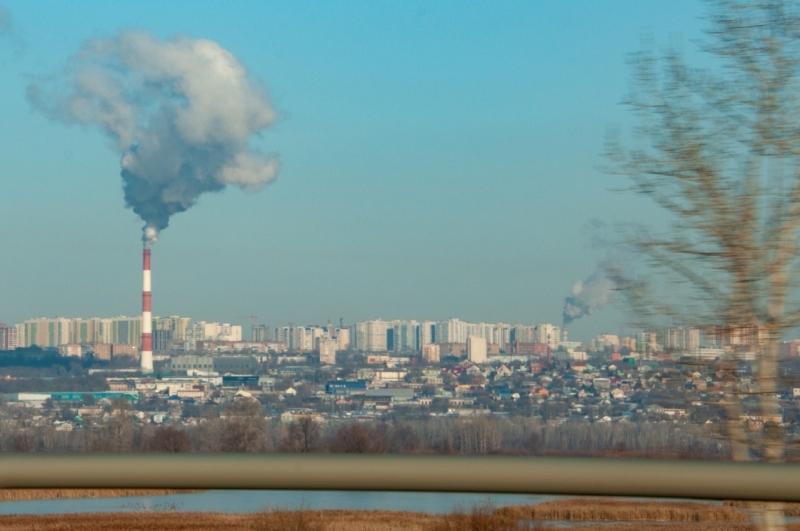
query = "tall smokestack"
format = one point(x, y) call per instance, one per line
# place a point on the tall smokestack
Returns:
point(147, 318)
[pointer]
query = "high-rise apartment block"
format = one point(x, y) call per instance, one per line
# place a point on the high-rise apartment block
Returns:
point(203, 331)
point(527, 334)
point(605, 342)
point(343, 337)
point(731, 335)
point(682, 338)
point(327, 347)
point(370, 336)
point(44, 333)
point(116, 330)
point(646, 343)
point(52, 333)
point(411, 336)
point(299, 338)
point(547, 334)
point(175, 324)
point(430, 353)
point(8, 337)
point(260, 333)
point(451, 331)
point(628, 343)
point(476, 349)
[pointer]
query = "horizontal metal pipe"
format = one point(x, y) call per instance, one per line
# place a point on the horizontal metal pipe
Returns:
point(493, 474)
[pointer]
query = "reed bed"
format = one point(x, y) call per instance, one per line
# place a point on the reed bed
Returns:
point(319, 521)
point(339, 520)
point(265, 521)
point(49, 494)
point(594, 509)
point(628, 515)
point(789, 509)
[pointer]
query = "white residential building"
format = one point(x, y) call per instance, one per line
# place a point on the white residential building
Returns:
point(525, 334)
point(605, 341)
point(451, 331)
point(502, 334)
point(682, 338)
point(547, 334)
point(300, 338)
point(343, 338)
point(430, 353)
point(646, 343)
point(476, 349)
point(403, 336)
point(327, 347)
point(427, 332)
point(370, 336)
point(8, 337)
point(203, 331)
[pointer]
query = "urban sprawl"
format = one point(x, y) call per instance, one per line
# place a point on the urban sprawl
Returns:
point(532, 387)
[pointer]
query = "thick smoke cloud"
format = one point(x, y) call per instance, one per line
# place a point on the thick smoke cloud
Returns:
point(179, 111)
point(586, 296)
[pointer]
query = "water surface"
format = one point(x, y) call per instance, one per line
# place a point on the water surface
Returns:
point(244, 501)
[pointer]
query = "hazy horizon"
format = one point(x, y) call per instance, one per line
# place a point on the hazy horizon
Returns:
point(437, 160)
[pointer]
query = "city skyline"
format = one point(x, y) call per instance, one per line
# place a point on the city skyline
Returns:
point(453, 175)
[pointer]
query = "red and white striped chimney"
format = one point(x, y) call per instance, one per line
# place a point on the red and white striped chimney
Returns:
point(147, 318)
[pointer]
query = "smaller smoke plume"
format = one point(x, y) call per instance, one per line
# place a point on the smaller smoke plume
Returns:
point(5, 21)
point(8, 32)
point(586, 296)
point(180, 112)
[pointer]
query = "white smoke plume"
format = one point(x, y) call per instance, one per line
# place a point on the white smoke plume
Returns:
point(179, 111)
point(6, 26)
point(586, 296)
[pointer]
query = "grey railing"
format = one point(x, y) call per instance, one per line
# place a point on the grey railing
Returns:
point(492, 474)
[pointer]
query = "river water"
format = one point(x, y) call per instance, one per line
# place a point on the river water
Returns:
point(245, 501)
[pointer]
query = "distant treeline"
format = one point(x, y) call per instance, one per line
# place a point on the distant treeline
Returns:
point(35, 357)
point(242, 428)
point(34, 361)
point(75, 384)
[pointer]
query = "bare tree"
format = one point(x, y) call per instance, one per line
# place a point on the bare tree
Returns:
point(718, 150)
point(303, 435)
point(357, 439)
point(170, 439)
point(244, 427)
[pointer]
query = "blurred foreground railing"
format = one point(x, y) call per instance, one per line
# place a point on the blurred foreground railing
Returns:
point(530, 475)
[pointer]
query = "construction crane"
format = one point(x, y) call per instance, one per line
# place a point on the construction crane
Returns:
point(252, 318)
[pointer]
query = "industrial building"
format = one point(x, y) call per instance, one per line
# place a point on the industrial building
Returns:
point(219, 364)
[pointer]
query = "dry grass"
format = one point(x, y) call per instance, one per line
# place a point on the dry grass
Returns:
point(143, 521)
point(699, 526)
point(593, 509)
point(49, 494)
point(631, 515)
point(326, 520)
point(789, 509)
point(481, 518)
point(373, 520)
point(266, 521)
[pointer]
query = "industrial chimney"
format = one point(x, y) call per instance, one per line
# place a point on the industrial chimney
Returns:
point(147, 318)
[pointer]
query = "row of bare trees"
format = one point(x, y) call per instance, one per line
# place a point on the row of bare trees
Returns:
point(246, 430)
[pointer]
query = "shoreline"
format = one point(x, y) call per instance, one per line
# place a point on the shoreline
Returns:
point(72, 494)
point(575, 514)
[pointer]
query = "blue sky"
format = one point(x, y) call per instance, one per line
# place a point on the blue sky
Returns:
point(439, 159)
